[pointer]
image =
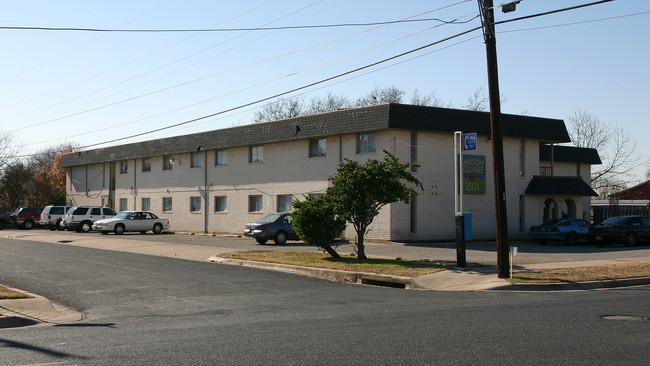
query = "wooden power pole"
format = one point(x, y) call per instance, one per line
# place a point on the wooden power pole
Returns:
point(503, 246)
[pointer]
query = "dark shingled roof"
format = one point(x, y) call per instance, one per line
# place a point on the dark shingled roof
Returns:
point(569, 154)
point(572, 186)
point(355, 120)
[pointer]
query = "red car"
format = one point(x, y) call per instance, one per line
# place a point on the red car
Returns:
point(26, 217)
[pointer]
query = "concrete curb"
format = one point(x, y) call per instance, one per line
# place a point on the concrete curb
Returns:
point(578, 286)
point(323, 273)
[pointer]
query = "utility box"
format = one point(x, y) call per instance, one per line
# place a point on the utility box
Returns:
point(467, 225)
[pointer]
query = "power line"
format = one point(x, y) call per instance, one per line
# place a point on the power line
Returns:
point(319, 26)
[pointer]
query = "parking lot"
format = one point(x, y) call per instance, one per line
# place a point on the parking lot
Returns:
point(200, 246)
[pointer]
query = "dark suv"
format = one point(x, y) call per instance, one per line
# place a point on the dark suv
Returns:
point(5, 218)
point(629, 230)
point(26, 217)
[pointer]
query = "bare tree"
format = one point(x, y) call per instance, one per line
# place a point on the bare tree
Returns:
point(331, 102)
point(478, 101)
point(389, 94)
point(615, 147)
point(430, 100)
point(281, 108)
point(7, 149)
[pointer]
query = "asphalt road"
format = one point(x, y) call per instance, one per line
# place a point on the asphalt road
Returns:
point(146, 310)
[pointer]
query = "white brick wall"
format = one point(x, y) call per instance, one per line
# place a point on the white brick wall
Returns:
point(287, 169)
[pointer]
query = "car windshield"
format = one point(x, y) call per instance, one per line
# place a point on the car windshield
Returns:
point(123, 215)
point(553, 222)
point(270, 218)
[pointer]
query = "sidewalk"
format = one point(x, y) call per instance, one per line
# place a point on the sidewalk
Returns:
point(38, 310)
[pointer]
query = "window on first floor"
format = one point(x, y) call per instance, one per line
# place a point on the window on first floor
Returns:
point(317, 148)
point(196, 161)
point(366, 143)
point(167, 204)
point(146, 204)
point(220, 204)
point(284, 202)
point(195, 204)
point(255, 203)
point(124, 204)
point(256, 154)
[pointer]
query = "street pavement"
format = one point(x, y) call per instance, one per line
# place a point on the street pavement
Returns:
point(40, 311)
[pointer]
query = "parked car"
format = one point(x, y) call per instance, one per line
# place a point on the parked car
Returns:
point(82, 218)
point(568, 230)
point(5, 217)
point(629, 230)
point(26, 217)
point(275, 226)
point(52, 215)
point(141, 221)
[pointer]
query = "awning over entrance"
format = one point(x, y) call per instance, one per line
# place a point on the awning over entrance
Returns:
point(568, 186)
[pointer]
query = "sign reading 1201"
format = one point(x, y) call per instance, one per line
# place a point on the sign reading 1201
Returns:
point(469, 141)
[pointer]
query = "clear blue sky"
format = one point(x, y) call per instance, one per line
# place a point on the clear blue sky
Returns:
point(91, 87)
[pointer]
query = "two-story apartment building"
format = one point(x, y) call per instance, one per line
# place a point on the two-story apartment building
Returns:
point(216, 181)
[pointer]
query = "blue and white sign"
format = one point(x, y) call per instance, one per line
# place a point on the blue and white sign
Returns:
point(469, 141)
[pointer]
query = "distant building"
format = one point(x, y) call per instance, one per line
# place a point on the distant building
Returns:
point(631, 201)
point(217, 181)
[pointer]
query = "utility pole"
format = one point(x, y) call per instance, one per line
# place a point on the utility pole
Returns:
point(503, 246)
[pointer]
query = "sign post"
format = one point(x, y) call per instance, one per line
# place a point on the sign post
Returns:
point(462, 142)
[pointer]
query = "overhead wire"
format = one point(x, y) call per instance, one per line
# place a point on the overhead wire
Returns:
point(202, 78)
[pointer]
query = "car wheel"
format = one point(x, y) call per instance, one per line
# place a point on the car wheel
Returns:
point(85, 227)
point(58, 226)
point(630, 239)
point(157, 229)
point(2, 225)
point(119, 229)
point(28, 224)
point(280, 238)
point(540, 241)
point(571, 239)
point(261, 241)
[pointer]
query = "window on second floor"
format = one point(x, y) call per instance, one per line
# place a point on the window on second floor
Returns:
point(167, 162)
point(317, 148)
point(366, 143)
point(197, 160)
point(256, 154)
point(221, 157)
point(124, 167)
point(146, 164)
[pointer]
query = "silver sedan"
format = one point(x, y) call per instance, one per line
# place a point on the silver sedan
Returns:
point(141, 221)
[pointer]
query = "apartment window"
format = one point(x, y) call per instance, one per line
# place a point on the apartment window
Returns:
point(146, 204)
point(220, 204)
point(167, 162)
point(317, 148)
point(195, 204)
point(124, 204)
point(167, 204)
point(196, 160)
point(578, 170)
point(366, 143)
point(522, 213)
point(284, 203)
point(522, 157)
point(413, 213)
point(124, 167)
point(256, 154)
point(146, 164)
point(254, 203)
point(221, 158)
point(414, 151)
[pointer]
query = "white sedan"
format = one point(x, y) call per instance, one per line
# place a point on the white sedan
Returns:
point(141, 221)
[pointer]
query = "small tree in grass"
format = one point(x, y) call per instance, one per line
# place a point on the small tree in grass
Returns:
point(316, 223)
point(359, 191)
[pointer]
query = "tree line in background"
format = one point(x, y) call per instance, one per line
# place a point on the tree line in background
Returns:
point(37, 180)
point(34, 181)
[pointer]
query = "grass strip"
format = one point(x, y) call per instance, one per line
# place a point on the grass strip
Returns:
point(8, 294)
point(395, 267)
point(584, 274)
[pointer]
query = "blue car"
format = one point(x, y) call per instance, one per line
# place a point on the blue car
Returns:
point(569, 230)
